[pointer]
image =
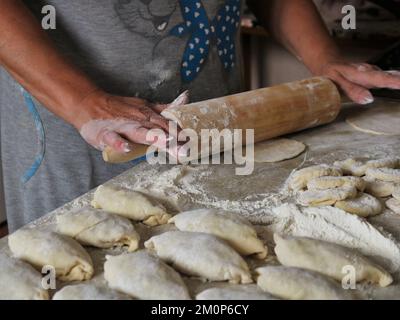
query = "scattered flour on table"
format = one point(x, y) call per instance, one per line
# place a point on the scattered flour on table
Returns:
point(180, 188)
point(334, 225)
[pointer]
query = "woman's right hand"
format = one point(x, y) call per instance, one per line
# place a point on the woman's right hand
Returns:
point(117, 122)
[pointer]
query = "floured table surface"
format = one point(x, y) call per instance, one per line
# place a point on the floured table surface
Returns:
point(254, 196)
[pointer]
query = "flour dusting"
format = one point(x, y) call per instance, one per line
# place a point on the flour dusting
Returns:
point(336, 226)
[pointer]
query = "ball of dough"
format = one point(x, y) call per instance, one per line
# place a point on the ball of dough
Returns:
point(277, 150)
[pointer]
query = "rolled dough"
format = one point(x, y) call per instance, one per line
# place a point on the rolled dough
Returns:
point(276, 150)
point(381, 120)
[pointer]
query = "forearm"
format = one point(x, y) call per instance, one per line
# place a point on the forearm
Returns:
point(29, 56)
point(299, 27)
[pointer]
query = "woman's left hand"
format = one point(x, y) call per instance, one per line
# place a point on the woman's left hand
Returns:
point(355, 79)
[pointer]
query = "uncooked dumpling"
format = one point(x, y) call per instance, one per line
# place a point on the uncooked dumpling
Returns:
point(379, 120)
point(238, 293)
point(277, 150)
point(317, 198)
point(144, 276)
point(328, 259)
point(130, 204)
point(384, 174)
point(358, 168)
point(299, 284)
point(98, 228)
point(88, 291)
point(299, 179)
point(324, 183)
point(20, 281)
point(234, 229)
point(394, 205)
point(351, 167)
point(41, 248)
point(364, 205)
point(396, 193)
point(380, 189)
point(202, 255)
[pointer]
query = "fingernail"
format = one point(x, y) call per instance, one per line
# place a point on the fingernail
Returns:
point(183, 98)
point(368, 99)
point(362, 68)
point(393, 72)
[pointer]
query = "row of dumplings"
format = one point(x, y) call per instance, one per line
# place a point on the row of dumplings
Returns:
point(351, 185)
point(98, 228)
point(208, 244)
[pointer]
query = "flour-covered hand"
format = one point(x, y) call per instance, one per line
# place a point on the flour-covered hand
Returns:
point(118, 122)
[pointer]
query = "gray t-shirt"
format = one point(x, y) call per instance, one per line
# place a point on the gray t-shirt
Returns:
point(153, 49)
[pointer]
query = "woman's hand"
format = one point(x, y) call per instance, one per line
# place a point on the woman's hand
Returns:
point(355, 79)
point(118, 122)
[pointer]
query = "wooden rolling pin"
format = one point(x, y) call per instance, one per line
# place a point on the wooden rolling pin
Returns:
point(271, 112)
